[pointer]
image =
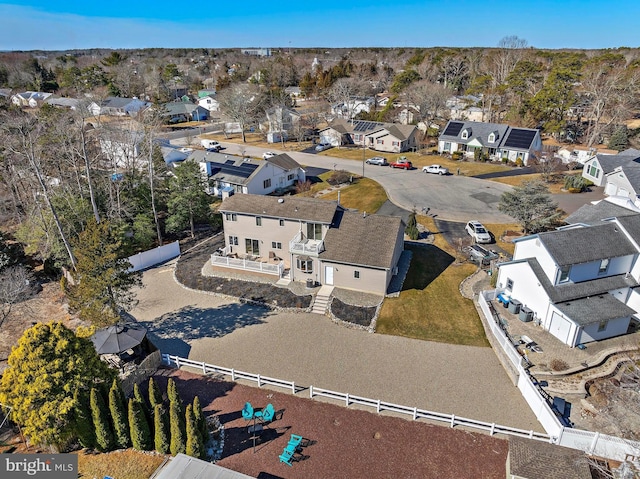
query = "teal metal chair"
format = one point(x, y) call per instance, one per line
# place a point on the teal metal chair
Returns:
point(247, 411)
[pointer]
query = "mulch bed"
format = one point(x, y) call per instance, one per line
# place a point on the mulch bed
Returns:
point(189, 273)
point(361, 315)
point(344, 442)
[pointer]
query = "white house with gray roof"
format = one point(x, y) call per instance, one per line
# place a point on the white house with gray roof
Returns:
point(580, 281)
point(317, 240)
point(234, 174)
point(618, 174)
point(118, 106)
point(499, 142)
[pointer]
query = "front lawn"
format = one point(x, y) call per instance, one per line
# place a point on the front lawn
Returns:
point(430, 306)
point(364, 195)
point(554, 187)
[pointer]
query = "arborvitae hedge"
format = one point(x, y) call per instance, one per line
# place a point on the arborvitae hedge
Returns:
point(102, 427)
point(195, 447)
point(155, 396)
point(177, 427)
point(160, 426)
point(83, 422)
point(201, 422)
point(139, 427)
point(119, 416)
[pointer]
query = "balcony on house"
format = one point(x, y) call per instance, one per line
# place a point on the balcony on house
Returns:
point(300, 244)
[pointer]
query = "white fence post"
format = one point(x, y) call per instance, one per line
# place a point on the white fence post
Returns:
point(177, 361)
point(204, 367)
point(311, 392)
point(259, 382)
point(453, 420)
point(233, 374)
point(378, 406)
point(346, 399)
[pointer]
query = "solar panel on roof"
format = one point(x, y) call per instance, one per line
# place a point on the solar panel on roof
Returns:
point(453, 128)
point(520, 138)
point(229, 162)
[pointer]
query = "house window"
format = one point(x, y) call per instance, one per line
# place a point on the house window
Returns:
point(447, 146)
point(356, 137)
point(509, 284)
point(564, 274)
point(266, 183)
point(231, 216)
point(290, 177)
point(380, 142)
point(252, 246)
point(492, 138)
point(602, 325)
point(305, 265)
point(594, 171)
point(314, 231)
point(258, 221)
point(465, 134)
point(604, 266)
point(395, 143)
point(356, 274)
point(276, 245)
point(233, 241)
point(281, 222)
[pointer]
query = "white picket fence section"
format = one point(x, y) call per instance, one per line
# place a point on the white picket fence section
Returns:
point(154, 256)
point(601, 445)
point(350, 399)
point(247, 265)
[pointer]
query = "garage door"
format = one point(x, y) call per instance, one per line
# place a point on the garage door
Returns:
point(560, 327)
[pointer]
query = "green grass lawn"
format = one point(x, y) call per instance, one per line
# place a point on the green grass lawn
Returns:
point(364, 195)
point(430, 306)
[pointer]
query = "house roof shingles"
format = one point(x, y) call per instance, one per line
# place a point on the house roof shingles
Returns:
point(627, 158)
point(593, 309)
point(284, 161)
point(586, 244)
point(358, 239)
point(594, 214)
point(305, 209)
point(480, 131)
point(402, 132)
point(532, 459)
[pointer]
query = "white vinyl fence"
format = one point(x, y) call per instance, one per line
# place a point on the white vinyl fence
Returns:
point(601, 445)
point(349, 399)
point(247, 265)
point(154, 256)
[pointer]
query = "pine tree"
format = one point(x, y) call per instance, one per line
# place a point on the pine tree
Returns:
point(201, 422)
point(155, 396)
point(619, 139)
point(412, 227)
point(194, 448)
point(161, 437)
point(119, 415)
point(104, 435)
point(176, 425)
point(83, 423)
point(139, 427)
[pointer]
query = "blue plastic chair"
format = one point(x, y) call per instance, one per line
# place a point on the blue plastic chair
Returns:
point(247, 411)
point(295, 440)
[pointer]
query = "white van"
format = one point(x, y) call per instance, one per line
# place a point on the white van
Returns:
point(211, 145)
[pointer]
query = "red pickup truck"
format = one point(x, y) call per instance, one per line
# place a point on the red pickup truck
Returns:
point(402, 162)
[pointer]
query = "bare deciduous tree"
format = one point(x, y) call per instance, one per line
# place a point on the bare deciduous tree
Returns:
point(16, 285)
point(241, 104)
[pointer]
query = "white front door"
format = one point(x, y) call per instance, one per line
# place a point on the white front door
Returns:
point(328, 275)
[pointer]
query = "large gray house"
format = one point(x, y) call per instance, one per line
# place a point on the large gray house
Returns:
point(316, 240)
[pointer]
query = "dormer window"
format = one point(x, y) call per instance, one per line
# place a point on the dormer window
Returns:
point(564, 274)
point(604, 266)
point(492, 137)
point(465, 133)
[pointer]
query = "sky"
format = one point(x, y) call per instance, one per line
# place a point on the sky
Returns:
point(71, 24)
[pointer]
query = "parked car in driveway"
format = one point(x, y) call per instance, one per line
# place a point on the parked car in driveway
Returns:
point(323, 146)
point(403, 163)
point(211, 145)
point(268, 154)
point(435, 169)
point(377, 160)
point(478, 232)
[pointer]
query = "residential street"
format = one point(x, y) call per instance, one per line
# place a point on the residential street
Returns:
point(311, 350)
point(454, 198)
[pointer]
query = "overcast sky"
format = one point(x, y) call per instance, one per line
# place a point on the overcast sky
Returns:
point(71, 24)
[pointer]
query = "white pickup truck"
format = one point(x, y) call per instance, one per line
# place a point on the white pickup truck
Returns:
point(211, 145)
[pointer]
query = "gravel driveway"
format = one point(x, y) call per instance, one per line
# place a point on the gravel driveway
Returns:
point(311, 350)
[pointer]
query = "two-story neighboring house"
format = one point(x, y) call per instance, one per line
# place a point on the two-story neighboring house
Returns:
point(318, 240)
point(235, 174)
point(580, 281)
point(498, 141)
point(387, 137)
